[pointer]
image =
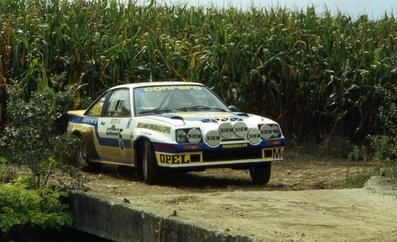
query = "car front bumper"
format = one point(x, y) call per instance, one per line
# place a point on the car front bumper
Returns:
point(225, 158)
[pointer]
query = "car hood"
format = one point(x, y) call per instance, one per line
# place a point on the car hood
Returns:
point(197, 118)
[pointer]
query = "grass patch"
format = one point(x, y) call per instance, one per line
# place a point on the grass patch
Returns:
point(358, 180)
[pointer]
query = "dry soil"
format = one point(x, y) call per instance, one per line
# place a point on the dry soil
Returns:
point(305, 200)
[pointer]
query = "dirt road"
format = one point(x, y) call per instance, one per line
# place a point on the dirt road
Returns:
point(303, 201)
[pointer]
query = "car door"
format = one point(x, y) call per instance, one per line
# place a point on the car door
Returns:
point(113, 127)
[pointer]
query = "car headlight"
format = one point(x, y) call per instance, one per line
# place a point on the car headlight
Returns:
point(240, 129)
point(181, 136)
point(266, 131)
point(226, 130)
point(213, 138)
point(276, 131)
point(254, 136)
point(270, 131)
point(194, 136)
point(188, 136)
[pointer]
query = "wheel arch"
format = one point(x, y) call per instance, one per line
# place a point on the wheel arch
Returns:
point(138, 143)
point(77, 133)
point(92, 153)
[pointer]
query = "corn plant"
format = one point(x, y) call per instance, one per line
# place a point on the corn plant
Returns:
point(319, 75)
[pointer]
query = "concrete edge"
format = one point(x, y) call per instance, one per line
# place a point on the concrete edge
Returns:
point(119, 222)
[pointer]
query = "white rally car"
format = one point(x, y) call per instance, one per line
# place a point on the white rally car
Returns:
point(160, 126)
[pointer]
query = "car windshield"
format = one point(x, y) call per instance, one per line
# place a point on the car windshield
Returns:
point(180, 98)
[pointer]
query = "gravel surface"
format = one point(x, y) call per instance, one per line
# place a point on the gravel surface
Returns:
point(304, 201)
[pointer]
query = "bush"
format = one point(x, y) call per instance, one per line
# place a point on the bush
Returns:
point(381, 152)
point(384, 147)
point(23, 208)
point(7, 173)
point(34, 136)
point(34, 141)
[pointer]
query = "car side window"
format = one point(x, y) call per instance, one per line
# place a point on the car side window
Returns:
point(118, 104)
point(96, 109)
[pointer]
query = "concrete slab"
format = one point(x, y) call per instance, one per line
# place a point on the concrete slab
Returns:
point(119, 221)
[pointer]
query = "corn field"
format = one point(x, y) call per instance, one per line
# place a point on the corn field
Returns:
point(318, 75)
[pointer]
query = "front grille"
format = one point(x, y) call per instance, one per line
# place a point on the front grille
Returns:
point(237, 154)
point(232, 139)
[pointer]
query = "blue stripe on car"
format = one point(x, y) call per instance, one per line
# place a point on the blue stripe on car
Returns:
point(111, 142)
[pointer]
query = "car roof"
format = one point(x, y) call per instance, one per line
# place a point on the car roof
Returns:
point(162, 83)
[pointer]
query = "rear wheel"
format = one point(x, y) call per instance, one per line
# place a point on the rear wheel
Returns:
point(81, 159)
point(81, 156)
point(150, 170)
point(260, 174)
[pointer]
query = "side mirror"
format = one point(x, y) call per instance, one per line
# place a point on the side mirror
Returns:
point(233, 108)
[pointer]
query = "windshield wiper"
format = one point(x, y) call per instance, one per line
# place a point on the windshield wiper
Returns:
point(154, 111)
point(200, 108)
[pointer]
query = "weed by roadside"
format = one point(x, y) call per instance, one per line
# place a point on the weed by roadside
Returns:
point(377, 157)
point(381, 153)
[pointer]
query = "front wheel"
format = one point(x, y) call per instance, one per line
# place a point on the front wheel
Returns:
point(260, 174)
point(150, 169)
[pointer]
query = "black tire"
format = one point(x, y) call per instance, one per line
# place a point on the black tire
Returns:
point(81, 159)
point(150, 170)
point(81, 156)
point(260, 174)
